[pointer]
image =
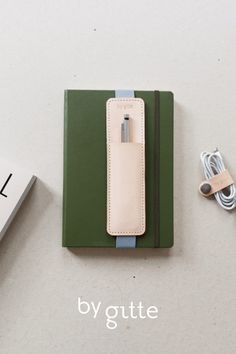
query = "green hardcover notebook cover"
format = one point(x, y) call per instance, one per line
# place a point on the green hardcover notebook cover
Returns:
point(84, 190)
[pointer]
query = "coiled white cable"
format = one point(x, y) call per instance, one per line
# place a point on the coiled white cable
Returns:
point(213, 164)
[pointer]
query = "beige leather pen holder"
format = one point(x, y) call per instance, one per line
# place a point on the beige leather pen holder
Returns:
point(126, 213)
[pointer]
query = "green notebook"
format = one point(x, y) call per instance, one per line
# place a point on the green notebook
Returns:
point(84, 194)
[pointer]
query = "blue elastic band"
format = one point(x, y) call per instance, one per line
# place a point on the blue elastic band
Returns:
point(125, 241)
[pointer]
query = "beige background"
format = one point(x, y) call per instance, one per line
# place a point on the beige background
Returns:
point(185, 46)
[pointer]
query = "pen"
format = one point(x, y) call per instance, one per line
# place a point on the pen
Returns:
point(125, 131)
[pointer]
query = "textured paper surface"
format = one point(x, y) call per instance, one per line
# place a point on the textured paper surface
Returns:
point(186, 46)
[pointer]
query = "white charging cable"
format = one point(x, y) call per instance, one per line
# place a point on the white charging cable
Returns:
point(212, 165)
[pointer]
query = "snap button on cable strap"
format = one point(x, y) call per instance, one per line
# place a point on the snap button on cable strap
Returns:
point(218, 180)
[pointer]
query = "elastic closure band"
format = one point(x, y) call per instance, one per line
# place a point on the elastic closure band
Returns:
point(125, 241)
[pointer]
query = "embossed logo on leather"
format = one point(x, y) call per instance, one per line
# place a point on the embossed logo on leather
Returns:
point(124, 105)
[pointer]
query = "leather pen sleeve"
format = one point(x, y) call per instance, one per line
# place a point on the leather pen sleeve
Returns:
point(125, 168)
